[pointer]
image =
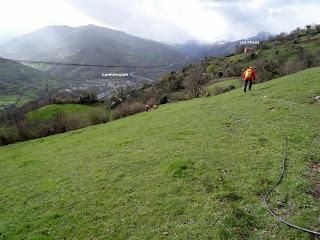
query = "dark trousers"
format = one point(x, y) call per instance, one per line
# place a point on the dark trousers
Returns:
point(246, 83)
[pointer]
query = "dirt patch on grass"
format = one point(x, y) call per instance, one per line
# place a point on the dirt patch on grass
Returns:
point(229, 196)
point(272, 109)
point(316, 100)
point(315, 166)
point(316, 191)
point(238, 223)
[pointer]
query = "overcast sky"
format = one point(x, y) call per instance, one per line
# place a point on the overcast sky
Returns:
point(162, 20)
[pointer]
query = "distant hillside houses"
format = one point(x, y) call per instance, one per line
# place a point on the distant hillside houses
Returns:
point(248, 50)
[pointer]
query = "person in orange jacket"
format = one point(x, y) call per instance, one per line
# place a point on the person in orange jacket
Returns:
point(249, 76)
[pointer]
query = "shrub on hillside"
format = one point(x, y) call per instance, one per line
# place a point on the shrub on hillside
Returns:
point(98, 116)
point(220, 74)
point(171, 82)
point(12, 116)
point(71, 121)
point(163, 99)
point(308, 59)
point(219, 90)
point(62, 122)
point(25, 130)
point(9, 135)
point(176, 83)
point(234, 70)
point(67, 122)
point(229, 88)
point(317, 59)
point(291, 66)
point(195, 81)
point(210, 69)
point(263, 68)
point(263, 46)
point(177, 96)
point(124, 92)
point(127, 109)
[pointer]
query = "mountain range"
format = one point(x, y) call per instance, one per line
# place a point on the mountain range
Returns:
point(92, 44)
point(196, 50)
point(99, 45)
point(89, 45)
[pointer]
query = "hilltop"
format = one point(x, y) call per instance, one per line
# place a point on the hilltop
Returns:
point(197, 51)
point(279, 56)
point(187, 170)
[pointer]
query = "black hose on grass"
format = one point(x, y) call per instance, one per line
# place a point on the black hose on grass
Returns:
point(283, 170)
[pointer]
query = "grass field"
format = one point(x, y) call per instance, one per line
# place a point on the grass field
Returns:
point(6, 100)
point(188, 170)
point(18, 100)
point(213, 88)
point(50, 111)
point(10, 98)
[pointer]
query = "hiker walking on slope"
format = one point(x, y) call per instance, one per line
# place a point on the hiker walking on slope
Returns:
point(249, 75)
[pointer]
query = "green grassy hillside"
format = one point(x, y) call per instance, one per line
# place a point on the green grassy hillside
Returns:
point(49, 112)
point(285, 50)
point(20, 84)
point(215, 85)
point(188, 170)
point(271, 59)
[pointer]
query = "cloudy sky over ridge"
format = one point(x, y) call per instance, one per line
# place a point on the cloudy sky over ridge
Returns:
point(162, 20)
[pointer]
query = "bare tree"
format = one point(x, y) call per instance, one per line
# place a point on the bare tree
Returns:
point(309, 60)
point(195, 81)
point(123, 92)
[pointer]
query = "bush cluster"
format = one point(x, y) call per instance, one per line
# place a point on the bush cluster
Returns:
point(24, 130)
point(127, 108)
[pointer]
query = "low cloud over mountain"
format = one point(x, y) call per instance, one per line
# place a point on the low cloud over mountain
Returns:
point(168, 21)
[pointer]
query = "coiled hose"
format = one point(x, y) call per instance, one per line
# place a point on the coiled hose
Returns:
point(283, 170)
